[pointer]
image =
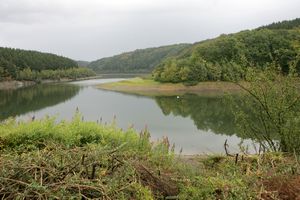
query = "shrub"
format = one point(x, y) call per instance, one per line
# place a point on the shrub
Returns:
point(270, 111)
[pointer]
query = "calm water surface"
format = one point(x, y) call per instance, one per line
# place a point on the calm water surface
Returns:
point(197, 124)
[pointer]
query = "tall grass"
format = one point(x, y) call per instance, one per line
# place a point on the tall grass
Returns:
point(77, 159)
point(46, 159)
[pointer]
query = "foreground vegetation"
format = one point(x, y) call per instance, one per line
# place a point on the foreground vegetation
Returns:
point(270, 109)
point(46, 159)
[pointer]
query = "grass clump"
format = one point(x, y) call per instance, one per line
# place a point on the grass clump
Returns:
point(248, 177)
point(74, 133)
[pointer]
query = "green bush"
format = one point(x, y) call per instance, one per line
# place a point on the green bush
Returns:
point(270, 110)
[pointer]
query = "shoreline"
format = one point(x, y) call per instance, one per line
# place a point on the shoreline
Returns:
point(15, 84)
point(149, 87)
point(12, 85)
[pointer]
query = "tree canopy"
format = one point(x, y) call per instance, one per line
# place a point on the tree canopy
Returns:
point(228, 56)
point(287, 24)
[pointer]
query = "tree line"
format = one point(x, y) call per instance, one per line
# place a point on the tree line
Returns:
point(71, 73)
point(287, 24)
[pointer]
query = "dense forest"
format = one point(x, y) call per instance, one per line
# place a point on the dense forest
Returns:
point(286, 24)
point(32, 65)
point(228, 56)
point(138, 61)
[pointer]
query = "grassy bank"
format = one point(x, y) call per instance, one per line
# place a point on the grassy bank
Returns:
point(45, 159)
point(144, 86)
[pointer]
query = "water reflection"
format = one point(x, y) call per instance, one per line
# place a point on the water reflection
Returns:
point(198, 124)
point(23, 100)
point(208, 113)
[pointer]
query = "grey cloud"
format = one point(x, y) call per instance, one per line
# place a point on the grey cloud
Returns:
point(91, 29)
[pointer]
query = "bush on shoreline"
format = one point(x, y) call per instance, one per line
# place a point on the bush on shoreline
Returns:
point(269, 110)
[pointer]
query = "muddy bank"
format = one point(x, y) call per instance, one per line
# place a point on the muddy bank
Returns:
point(11, 85)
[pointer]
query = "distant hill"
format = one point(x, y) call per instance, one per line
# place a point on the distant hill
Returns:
point(138, 61)
point(227, 56)
point(287, 24)
point(82, 63)
point(15, 60)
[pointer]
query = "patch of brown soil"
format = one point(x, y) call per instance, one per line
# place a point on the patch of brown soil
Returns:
point(10, 85)
point(160, 183)
point(281, 188)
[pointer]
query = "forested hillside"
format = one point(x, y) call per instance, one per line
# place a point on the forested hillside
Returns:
point(228, 56)
point(138, 61)
point(287, 24)
point(32, 65)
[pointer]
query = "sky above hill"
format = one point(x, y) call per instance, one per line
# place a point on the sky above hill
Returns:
point(92, 29)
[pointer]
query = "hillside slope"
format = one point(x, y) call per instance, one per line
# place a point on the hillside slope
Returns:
point(227, 56)
point(138, 61)
point(14, 60)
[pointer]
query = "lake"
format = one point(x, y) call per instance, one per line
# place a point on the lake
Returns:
point(196, 124)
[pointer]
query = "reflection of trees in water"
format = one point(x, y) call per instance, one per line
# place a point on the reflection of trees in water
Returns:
point(21, 101)
point(208, 113)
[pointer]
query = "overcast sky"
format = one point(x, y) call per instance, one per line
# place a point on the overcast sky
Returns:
point(92, 29)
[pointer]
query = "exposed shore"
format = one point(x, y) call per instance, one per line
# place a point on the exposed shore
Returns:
point(14, 84)
point(11, 85)
point(149, 87)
